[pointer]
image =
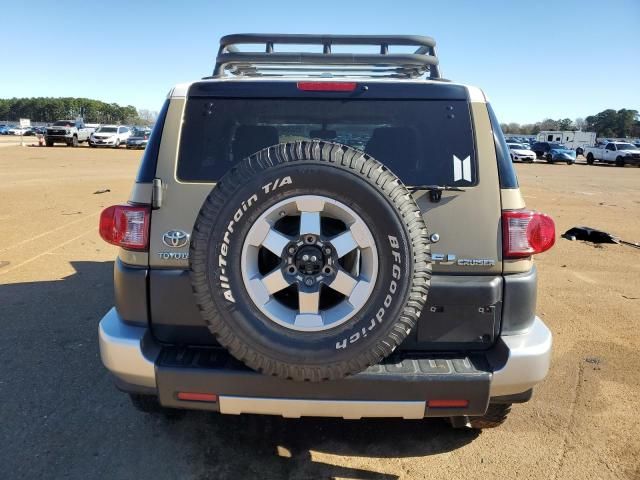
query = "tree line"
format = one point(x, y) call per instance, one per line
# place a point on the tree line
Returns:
point(608, 123)
point(48, 109)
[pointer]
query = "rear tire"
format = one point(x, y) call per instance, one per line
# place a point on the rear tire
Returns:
point(590, 159)
point(495, 416)
point(619, 162)
point(549, 158)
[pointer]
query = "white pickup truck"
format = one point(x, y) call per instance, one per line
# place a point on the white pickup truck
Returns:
point(620, 153)
point(71, 132)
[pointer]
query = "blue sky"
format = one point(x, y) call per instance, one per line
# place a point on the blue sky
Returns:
point(533, 59)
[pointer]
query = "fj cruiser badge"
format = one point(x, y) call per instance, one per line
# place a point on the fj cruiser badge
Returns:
point(452, 259)
point(175, 238)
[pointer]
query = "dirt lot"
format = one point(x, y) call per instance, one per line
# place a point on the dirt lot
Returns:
point(61, 416)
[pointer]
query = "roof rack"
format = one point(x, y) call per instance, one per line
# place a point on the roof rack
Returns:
point(269, 62)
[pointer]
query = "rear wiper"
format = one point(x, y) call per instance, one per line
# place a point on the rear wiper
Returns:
point(435, 191)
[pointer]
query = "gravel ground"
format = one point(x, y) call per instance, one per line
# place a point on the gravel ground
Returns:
point(62, 417)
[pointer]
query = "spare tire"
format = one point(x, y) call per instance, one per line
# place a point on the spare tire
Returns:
point(310, 261)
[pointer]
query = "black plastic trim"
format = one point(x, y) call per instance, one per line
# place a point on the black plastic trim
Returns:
point(364, 91)
point(451, 321)
point(506, 172)
point(462, 313)
point(519, 302)
point(175, 317)
point(207, 370)
point(130, 291)
point(147, 170)
point(522, 397)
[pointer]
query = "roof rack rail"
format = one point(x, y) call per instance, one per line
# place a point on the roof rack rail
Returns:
point(269, 62)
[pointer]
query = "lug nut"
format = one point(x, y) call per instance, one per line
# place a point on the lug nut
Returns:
point(292, 250)
point(305, 258)
point(327, 251)
point(314, 258)
point(308, 281)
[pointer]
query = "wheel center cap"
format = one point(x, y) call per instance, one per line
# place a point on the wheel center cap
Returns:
point(309, 260)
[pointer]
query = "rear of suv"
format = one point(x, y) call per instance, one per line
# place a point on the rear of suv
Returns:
point(327, 234)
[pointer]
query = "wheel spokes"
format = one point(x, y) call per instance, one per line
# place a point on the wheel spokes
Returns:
point(330, 271)
point(275, 281)
point(344, 243)
point(343, 283)
point(310, 223)
point(309, 302)
point(275, 242)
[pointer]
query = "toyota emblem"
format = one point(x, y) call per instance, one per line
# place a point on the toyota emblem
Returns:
point(175, 238)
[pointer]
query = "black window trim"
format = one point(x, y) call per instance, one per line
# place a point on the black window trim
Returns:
point(147, 170)
point(476, 179)
point(506, 172)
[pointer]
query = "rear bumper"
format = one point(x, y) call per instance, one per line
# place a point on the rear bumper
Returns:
point(403, 389)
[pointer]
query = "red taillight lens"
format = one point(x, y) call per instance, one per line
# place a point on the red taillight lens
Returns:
point(197, 397)
point(126, 226)
point(526, 233)
point(448, 403)
point(327, 86)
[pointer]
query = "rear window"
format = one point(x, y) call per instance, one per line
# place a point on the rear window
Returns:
point(424, 142)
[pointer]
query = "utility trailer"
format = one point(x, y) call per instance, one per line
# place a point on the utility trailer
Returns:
point(575, 140)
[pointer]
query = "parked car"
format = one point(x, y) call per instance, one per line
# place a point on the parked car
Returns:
point(554, 152)
point(265, 269)
point(520, 153)
point(18, 130)
point(4, 129)
point(110, 136)
point(139, 138)
point(69, 132)
point(620, 153)
point(32, 131)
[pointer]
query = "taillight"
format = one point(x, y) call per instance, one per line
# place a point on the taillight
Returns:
point(525, 233)
point(126, 226)
point(327, 86)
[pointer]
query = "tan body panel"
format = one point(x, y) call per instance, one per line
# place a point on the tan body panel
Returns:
point(468, 223)
point(181, 202)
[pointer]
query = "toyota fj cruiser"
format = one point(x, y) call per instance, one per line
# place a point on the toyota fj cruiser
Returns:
point(327, 234)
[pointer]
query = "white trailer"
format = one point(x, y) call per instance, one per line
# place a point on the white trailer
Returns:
point(571, 139)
